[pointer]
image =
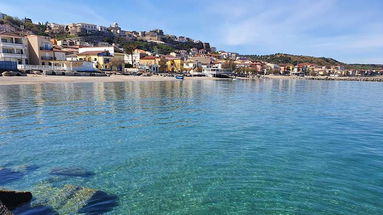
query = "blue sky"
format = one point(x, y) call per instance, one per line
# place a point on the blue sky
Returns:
point(347, 30)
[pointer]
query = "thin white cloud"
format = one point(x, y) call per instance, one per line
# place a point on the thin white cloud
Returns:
point(301, 26)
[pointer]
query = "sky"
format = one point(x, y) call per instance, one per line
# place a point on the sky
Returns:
point(350, 31)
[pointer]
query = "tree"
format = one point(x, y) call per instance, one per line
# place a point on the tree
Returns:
point(163, 65)
point(129, 49)
point(116, 63)
point(229, 64)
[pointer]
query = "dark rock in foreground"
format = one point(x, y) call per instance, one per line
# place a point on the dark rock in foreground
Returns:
point(76, 172)
point(12, 199)
point(4, 210)
point(8, 175)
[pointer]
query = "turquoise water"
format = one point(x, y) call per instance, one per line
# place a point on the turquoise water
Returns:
point(204, 147)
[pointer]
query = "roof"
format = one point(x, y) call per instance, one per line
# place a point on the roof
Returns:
point(92, 53)
point(149, 58)
point(9, 34)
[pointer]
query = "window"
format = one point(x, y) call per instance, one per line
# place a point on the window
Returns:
point(8, 51)
point(6, 40)
point(18, 41)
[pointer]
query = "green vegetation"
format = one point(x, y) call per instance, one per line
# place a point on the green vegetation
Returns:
point(365, 66)
point(157, 48)
point(229, 64)
point(295, 59)
point(320, 61)
point(38, 29)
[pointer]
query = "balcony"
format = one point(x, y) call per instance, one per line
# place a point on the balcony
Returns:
point(13, 45)
point(13, 55)
point(47, 58)
point(46, 48)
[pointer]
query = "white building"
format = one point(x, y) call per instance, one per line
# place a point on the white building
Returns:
point(110, 49)
point(133, 59)
point(87, 27)
point(216, 71)
point(102, 28)
point(13, 48)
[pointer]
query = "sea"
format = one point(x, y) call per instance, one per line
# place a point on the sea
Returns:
point(194, 147)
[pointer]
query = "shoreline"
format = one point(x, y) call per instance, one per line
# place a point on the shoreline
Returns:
point(326, 78)
point(41, 79)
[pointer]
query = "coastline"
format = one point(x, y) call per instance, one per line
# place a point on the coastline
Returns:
point(41, 79)
point(326, 78)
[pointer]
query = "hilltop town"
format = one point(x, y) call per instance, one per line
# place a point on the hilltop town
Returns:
point(89, 49)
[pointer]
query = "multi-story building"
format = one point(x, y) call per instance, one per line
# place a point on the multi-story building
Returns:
point(13, 48)
point(40, 50)
point(174, 64)
point(132, 59)
point(147, 60)
point(102, 28)
point(102, 59)
point(55, 28)
point(88, 27)
point(76, 28)
point(106, 58)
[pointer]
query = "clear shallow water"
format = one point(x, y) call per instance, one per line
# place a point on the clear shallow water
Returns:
point(204, 147)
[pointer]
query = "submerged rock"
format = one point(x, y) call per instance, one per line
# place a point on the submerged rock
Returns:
point(8, 175)
point(26, 168)
point(39, 210)
point(71, 199)
point(100, 203)
point(76, 172)
point(13, 199)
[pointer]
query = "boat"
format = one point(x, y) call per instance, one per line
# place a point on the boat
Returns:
point(180, 77)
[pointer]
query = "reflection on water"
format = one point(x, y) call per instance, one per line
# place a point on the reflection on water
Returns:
point(201, 147)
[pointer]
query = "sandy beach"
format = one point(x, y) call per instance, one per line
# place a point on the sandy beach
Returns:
point(40, 79)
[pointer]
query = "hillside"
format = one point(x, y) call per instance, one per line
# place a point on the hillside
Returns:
point(295, 59)
point(321, 61)
point(165, 46)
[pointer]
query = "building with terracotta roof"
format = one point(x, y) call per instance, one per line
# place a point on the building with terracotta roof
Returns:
point(150, 60)
point(107, 57)
point(101, 58)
